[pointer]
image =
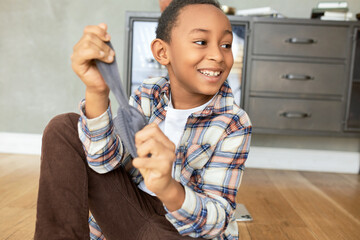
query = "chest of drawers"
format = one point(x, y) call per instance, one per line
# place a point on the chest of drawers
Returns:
point(298, 76)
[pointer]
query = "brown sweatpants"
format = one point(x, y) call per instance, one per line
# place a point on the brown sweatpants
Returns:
point(68, 189)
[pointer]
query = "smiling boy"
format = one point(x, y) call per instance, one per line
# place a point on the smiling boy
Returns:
point(191, 155)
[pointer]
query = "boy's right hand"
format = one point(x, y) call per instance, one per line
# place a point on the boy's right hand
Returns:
point(92, 46)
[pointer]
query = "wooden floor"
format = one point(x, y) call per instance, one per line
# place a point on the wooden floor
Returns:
point(287, 205)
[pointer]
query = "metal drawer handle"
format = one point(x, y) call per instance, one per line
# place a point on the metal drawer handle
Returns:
point(295, 115)
point(297, 77)
point(295, 40)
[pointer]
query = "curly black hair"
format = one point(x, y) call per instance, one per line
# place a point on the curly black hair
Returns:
point(168, 18)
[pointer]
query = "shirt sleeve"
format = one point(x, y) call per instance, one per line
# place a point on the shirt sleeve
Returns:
point(104, 149)
point(209, 203)
point(95, 231)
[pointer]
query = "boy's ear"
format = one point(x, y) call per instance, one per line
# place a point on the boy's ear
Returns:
point(159, 50)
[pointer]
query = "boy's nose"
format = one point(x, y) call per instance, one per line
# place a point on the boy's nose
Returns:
point(215, 54)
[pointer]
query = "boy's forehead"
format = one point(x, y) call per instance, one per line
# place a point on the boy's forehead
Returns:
point(197, 15)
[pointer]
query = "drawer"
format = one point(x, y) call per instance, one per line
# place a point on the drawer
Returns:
point(295, 114)
point(298, 77)
point(300, 40)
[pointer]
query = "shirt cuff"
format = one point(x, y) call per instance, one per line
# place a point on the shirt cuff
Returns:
point(188, 212)
point(93, 126)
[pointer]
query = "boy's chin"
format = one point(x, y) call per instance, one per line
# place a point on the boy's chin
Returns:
point(210, 91)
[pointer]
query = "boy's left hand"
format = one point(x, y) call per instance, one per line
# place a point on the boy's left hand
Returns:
point(156, 155)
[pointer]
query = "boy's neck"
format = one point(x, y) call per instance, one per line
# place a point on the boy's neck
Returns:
point(181, 100)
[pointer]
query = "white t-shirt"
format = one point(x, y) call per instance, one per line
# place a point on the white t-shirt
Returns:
point(173, 127)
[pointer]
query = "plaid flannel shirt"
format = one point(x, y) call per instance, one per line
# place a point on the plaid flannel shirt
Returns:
point(209, 159)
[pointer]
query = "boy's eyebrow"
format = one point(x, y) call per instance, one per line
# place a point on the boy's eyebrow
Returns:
point(195, 30)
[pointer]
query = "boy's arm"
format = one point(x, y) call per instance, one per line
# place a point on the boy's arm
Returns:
point(103, 148)
point(210, 203)
point(92, 46)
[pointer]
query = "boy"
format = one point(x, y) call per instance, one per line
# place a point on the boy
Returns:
point(184, 181)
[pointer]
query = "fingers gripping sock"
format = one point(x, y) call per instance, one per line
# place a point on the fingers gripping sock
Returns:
point(129, 120)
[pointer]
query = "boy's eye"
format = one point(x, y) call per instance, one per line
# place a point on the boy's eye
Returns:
point(200, 42)
point(226, 46)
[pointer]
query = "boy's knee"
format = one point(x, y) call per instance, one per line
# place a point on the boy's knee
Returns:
point(61, 125)
point(61, 145)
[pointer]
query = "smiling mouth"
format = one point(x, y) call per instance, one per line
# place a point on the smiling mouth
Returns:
point(210, 73)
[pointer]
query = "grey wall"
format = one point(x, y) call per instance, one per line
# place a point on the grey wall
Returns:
point(37, 36)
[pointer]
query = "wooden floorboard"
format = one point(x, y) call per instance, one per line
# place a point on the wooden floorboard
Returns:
point(340, 188)
point(321, 205)
point(19, 176)
point(285, 205)
point(274, 217)
point(326, 217)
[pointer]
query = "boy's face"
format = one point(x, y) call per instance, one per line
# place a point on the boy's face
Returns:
point(200, 51)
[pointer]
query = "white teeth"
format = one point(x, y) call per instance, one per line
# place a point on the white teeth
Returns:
point(210, 73)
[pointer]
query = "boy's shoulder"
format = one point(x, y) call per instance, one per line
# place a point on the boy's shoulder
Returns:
point(155, 82)
point(234, 116)
point(227, 106)
point(242, 115)
point(153, 87)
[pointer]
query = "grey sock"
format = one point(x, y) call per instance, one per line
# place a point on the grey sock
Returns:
point(129, 120)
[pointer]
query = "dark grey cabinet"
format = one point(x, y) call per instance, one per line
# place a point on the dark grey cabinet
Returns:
point(302, 77)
